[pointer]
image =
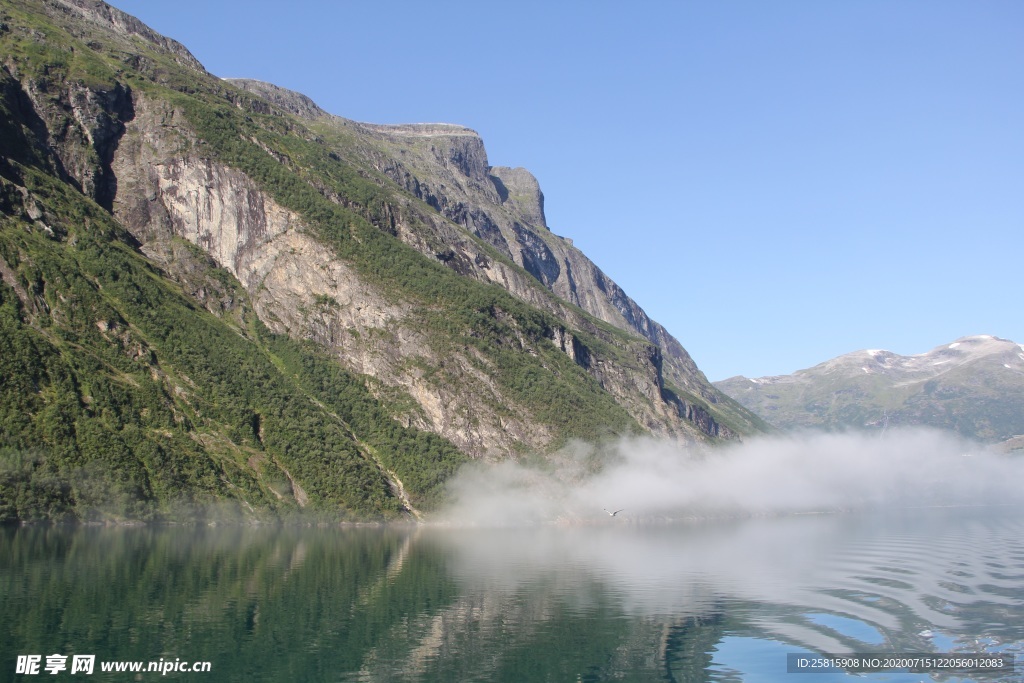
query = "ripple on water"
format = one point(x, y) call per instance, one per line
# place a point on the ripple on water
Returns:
point(849, 627)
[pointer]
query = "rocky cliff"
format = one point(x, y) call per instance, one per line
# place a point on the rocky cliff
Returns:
point(446, 166)
point(393, 259)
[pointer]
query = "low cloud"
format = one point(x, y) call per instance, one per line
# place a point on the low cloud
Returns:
point(803, 473)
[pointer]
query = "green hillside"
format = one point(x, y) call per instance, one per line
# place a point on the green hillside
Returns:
point(147, 375)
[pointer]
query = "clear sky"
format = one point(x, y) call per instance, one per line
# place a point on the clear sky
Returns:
point(776, 182)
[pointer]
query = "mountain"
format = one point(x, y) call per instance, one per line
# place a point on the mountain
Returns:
point(217, 296)
point(974, 386)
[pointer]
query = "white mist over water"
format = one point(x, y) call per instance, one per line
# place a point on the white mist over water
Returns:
point(803, 473)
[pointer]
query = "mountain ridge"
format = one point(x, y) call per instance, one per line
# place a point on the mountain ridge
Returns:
point(973, 385)
point(225, 298)
point(471, 185)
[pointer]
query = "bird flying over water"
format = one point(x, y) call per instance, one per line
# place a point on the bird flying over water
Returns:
point(612, 514)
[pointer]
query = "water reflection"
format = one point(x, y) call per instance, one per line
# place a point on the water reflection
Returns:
point(918, 581)
point(693, 602)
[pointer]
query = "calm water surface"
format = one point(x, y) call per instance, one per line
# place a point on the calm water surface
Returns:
point(708, 601)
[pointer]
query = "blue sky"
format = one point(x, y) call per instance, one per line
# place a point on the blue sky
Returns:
point(776, 182)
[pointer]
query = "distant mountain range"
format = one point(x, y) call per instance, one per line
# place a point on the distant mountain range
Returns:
point(973, 386)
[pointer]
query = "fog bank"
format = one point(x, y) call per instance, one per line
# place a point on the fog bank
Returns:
point(803, 473)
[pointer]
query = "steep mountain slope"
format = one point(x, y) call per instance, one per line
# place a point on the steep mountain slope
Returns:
point(316, 313)
point(446, 167)
point(974, 386)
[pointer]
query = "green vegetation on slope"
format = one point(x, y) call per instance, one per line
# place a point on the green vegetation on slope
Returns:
point(122, 399)
point(126, 399)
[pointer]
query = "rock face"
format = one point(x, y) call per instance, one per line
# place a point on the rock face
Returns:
point(446, 167)
point(518, 189)
point(397, 251)
point(162, 194)
point(296, 286)
point(974, 386)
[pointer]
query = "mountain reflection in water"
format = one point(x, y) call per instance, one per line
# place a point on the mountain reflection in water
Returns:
point(701, 601)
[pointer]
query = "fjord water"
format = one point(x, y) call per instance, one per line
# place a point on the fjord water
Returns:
point(611, 600)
